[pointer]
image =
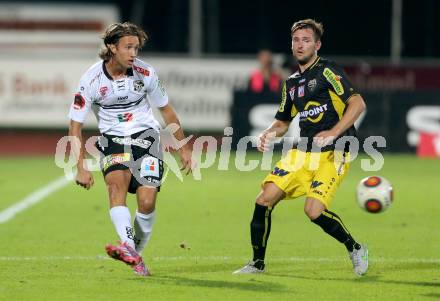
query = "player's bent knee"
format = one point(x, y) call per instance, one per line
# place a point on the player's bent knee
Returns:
point(146, 206)
point(312, 213)
point(146, 199)
point(313, 208)
point(262, 200)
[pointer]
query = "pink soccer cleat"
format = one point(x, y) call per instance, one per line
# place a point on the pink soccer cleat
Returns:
point(141, 270)
point(124, 253)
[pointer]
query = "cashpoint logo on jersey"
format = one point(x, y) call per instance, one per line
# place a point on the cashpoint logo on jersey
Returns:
point(313, 112)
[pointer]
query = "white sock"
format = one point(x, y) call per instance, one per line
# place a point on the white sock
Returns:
point(143, 225)
point(121, 218)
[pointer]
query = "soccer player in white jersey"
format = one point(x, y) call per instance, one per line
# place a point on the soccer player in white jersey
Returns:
point(120, 89)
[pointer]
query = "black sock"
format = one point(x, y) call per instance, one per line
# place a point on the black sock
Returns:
point(260, 230)
point(333, 225)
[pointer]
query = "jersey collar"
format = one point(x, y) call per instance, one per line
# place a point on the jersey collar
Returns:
point(129, 71)
point(312, 65)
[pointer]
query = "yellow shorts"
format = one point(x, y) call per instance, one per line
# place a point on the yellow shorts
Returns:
point(316, 175)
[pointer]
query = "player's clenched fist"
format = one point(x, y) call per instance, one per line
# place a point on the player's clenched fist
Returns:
point(84, 178)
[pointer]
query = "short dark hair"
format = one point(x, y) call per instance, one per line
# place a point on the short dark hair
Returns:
point(115, 32)
point(318, 28)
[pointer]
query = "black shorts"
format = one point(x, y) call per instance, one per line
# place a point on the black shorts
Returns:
point(141, 153)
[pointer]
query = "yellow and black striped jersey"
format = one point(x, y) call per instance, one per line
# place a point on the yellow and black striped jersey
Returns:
point(319, 95)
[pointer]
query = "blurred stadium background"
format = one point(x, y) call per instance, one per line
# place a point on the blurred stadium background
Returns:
point(205, 52)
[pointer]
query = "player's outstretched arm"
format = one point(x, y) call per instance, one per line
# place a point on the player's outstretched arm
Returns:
point(355, 107)
point(277, 129)
point(170, 117)
point(84, 178)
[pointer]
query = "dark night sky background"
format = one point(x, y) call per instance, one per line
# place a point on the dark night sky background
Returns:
point(352, 28)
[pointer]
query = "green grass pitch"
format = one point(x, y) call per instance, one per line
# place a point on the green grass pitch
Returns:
point(55, 249)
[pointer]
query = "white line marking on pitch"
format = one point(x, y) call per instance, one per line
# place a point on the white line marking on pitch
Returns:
point(32, 199)
point(222, 259)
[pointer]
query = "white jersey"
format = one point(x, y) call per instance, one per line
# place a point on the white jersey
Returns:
point(121, 105)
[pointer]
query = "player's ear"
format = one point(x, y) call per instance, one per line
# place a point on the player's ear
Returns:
point(112, 48)
point(318, 45)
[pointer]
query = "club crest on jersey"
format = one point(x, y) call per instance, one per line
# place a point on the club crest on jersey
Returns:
point(301, 91)
point(138, 85)
point(292, 93)
point(78, 102)
point(103, 91)
point(311, 85)
point(141, 70)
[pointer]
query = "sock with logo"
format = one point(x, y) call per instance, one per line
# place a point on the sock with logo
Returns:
point(143, 225)
point(121, 218)
point(333, 225)
point(260, 230)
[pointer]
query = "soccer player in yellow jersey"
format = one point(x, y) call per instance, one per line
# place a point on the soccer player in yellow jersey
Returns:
point(328, 106)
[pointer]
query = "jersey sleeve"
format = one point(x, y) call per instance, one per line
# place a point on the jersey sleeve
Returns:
point(338, 82)
point(82, 102)
point(286, 111)
point(156, 92)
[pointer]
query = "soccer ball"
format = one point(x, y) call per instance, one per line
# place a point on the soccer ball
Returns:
point(374, 194)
